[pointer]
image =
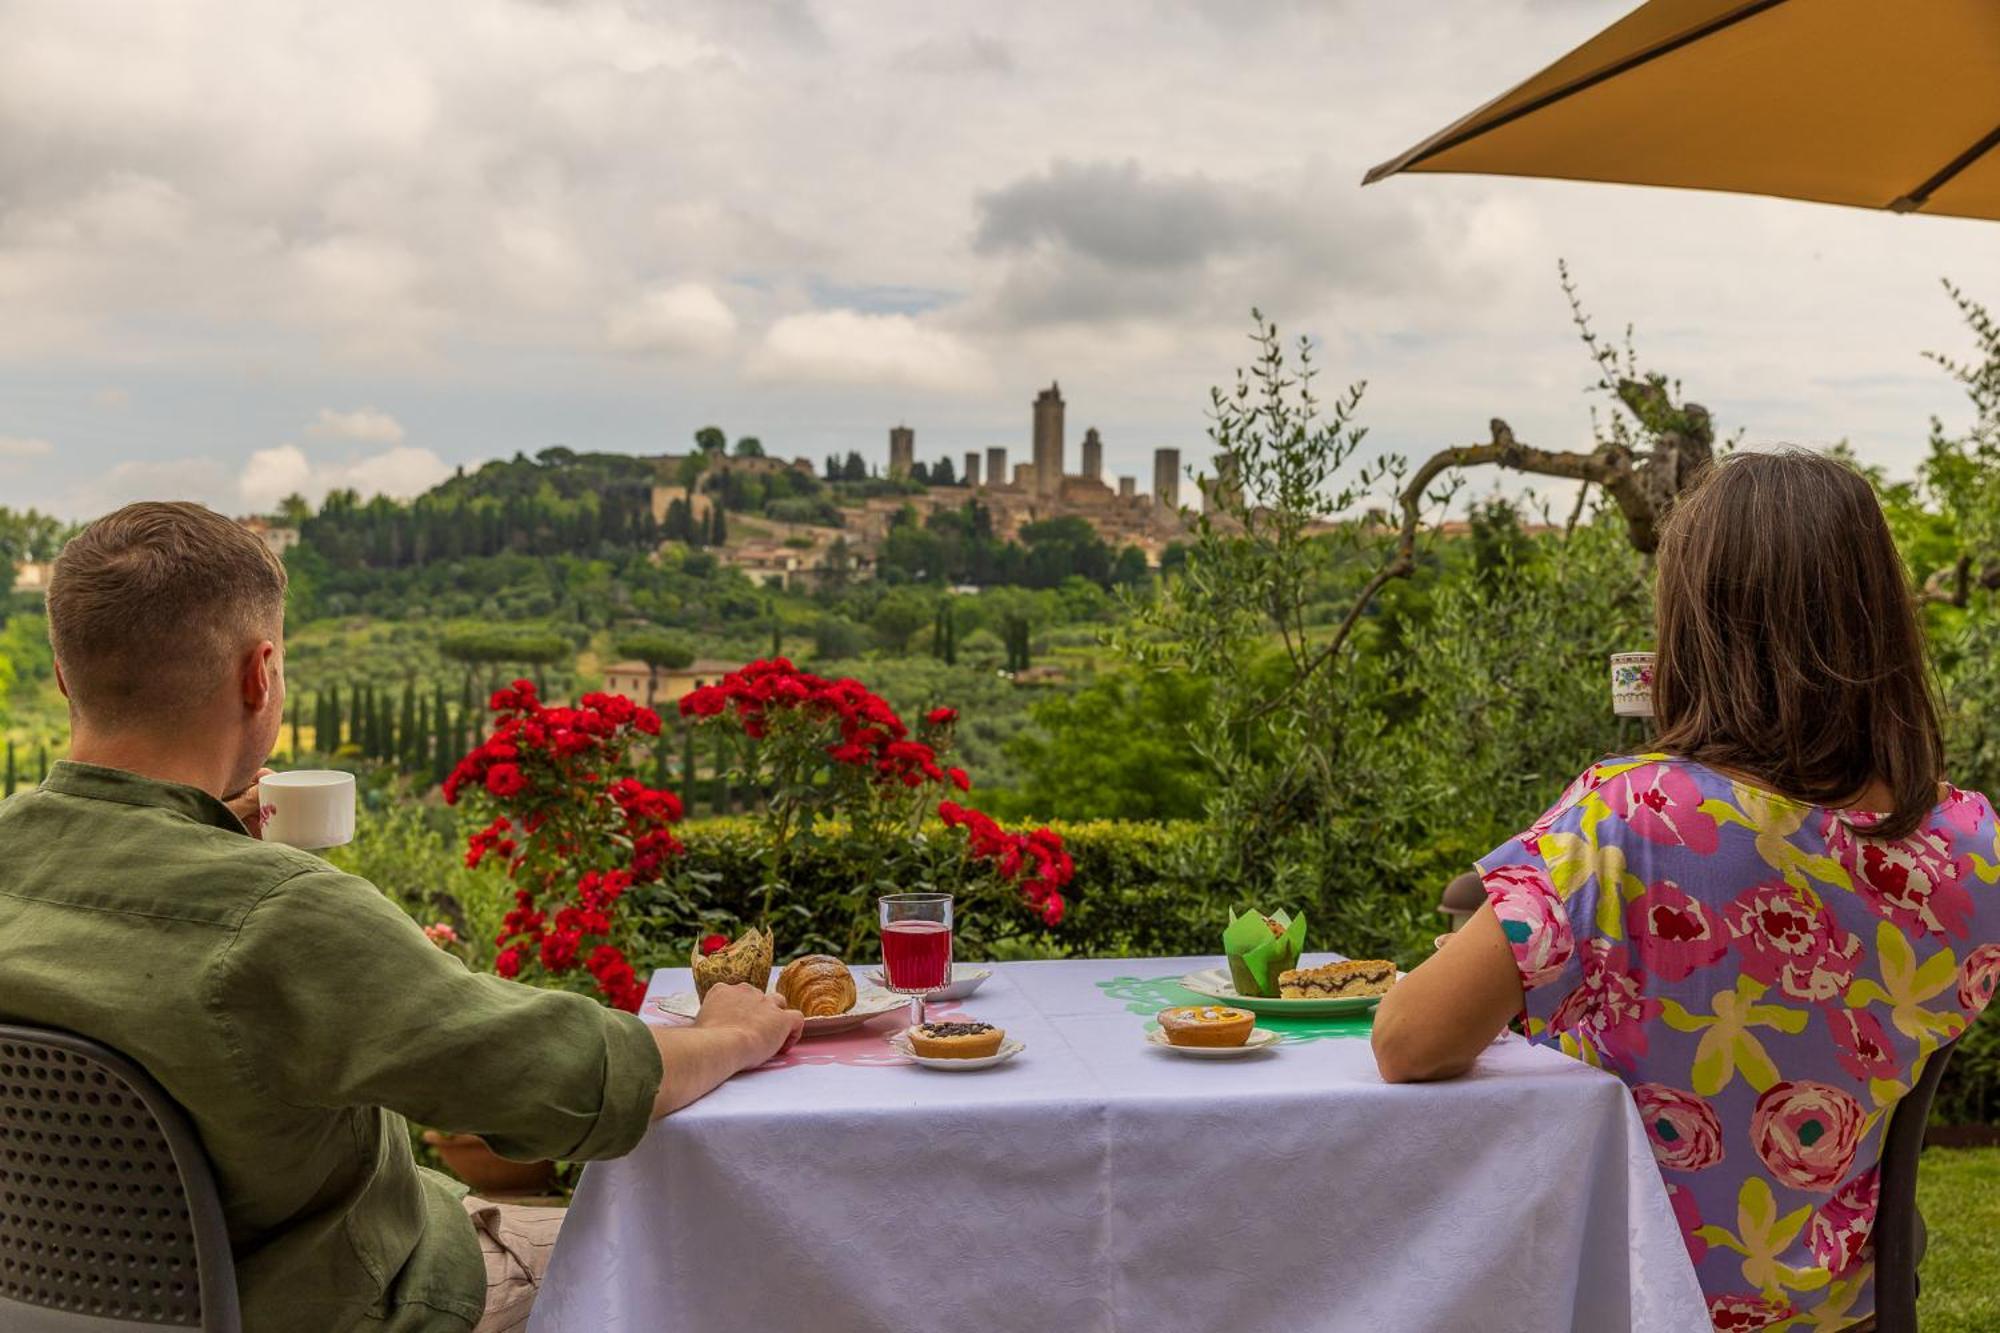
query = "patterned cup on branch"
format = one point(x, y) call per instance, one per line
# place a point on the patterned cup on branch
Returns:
point(1632, 684)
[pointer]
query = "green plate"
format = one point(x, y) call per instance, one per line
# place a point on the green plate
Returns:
point(1215, 983)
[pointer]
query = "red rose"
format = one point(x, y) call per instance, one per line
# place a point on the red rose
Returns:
point(508, 964)
point(941, 717)
point(713, 944)
point(505, 781)
point(959, 778)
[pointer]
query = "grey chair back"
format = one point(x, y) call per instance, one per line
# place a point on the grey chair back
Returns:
point(109, 1215)
point(1899, 1227)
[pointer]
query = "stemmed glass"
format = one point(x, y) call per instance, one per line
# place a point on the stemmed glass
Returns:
point(916, 944)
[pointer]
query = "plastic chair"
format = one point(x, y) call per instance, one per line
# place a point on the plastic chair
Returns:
point(109, 1215)
point(1899, 1227)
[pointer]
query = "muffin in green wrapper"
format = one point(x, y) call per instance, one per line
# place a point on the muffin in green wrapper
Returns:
point(1259, 947)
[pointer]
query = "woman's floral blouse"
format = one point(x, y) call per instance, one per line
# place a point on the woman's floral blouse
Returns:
point(1769, 980)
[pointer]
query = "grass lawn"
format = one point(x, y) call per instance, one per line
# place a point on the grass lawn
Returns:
point(1958, 1190)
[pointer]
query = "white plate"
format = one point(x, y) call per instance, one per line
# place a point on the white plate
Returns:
point(1260, 1039)
point(965, 979)
point(1009, 1048)
point(869, 1002)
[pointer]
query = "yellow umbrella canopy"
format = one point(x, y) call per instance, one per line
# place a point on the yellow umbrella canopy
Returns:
point(1874, 103)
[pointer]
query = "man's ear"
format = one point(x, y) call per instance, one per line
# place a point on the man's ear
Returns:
point(260, 675)
point(61, 684)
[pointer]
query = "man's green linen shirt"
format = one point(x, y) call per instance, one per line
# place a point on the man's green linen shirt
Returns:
point(298, 1015)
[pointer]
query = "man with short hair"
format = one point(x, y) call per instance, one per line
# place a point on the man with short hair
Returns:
point(293, 1010)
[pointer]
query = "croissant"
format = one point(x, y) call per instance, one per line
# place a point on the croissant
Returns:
point(817, 986)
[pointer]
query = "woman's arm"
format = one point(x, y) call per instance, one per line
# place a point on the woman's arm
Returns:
point(1434, 1023)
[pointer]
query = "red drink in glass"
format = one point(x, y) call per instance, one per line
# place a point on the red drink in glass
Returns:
point(916, 955)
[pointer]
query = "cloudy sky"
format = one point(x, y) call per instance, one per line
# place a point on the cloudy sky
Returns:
point(255, 246)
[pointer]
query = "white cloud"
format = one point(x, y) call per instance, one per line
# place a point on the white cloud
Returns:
point(199, 479)
point(686, 318)
point(272, 474)
point(363, 423)
point(14, 448)
point(850, 347)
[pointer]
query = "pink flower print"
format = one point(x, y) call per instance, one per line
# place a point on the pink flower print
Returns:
point(1789, 939)
point(1978, 975)
point(1839, 1230)
point(1662, 804)
point(1861, 1044)
point(1675, 935)
point(1964, 810)
point(1609, 1008)
point(1913, 882)
point(1748, 1311)
point(1683, 1128)
point(1688, 1216)
point(1532, 917)
point(1806, 1134)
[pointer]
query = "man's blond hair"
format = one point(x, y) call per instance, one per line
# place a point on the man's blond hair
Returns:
point(150, 606)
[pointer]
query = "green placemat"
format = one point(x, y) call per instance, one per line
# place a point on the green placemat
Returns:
point(1149, 995)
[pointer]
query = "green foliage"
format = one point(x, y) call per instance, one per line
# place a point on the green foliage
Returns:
point(414, 851)
point(1958, 1192)
point(1116, 749)
point(28, 535)
point(655, 647)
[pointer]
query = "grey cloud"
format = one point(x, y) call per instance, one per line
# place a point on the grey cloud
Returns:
point(972, 53)
point(1103, 241)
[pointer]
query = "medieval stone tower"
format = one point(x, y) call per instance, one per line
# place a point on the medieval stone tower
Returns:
point(1049, 440)
point(1093, 455)
point(1167, 478)
point(996, 465)
point(902, 450)
point(971, 477)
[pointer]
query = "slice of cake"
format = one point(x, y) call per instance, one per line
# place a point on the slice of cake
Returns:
point(1338, 981)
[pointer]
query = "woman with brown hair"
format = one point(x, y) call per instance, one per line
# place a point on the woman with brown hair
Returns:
point(1766, 927)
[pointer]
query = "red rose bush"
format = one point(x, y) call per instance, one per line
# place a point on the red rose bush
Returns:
point(833, 754)
point(570, 830)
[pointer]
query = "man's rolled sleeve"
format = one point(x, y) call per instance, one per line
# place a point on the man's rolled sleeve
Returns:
point(332, 996)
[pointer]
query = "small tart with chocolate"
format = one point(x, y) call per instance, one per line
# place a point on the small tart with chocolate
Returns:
point(956, 1041)
point(1207, 1025)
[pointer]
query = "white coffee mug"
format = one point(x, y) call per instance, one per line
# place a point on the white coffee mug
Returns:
point(1632, 684)
point(308, 808)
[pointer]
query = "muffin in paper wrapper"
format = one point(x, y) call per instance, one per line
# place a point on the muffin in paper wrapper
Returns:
point(1256, 956)
point(748, 961)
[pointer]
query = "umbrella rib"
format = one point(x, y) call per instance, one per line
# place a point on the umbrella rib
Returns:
point(1920, 196)
point(1575, 86)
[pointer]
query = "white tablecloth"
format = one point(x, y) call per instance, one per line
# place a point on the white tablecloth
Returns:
point(1094, 1183)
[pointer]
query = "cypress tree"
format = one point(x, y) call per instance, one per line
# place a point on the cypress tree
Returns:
point(10, 771)
point(406, 729)
point(720, 534)
point(950, 636)
point(660, 774)
point(722, 797)
point(357, 723)
point(42, 763)
point(442, 759)
point(417, 745)
point(295, 728)
point(690, 791)
point(329, 735)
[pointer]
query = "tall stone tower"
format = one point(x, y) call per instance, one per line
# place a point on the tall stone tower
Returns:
point(1127, 487)
point(1167, 478)
point(902, 450)
point(1093, 455)
point(996, 465)
point(1049, 440)
point(972, 467)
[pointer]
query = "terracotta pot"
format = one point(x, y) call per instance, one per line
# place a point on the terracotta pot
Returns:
point(487, 1171)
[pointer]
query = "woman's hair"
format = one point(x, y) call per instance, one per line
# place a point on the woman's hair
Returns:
point(1789, 645)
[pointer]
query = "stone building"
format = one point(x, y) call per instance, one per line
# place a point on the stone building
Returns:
point(1093, 455)
point(1049, 440)
point(971, 477)
point(996, 466)
point(902, 450)
point(1167, 478)
point(1127, 487)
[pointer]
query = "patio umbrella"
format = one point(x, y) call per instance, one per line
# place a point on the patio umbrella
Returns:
point(1873, 103)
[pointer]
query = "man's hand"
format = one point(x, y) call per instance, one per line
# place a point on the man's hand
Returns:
point(739, 1027)
point(760, 1019)
point(243, 804)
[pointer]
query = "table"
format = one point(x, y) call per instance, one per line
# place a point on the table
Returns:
point(1096, 1184)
